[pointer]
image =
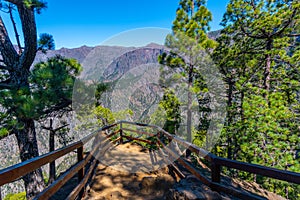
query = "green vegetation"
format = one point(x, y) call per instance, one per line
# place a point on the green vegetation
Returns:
point(188, 39)
point(258, 56)
point(18, 196)
point(260, 63)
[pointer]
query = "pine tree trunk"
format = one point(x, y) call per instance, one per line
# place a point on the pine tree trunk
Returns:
point(189, 110)
point(189, 117)
point(267, 72)
point(230, 117)
point(28, 148)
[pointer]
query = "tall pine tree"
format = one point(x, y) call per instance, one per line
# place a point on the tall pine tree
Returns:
point(189, 37)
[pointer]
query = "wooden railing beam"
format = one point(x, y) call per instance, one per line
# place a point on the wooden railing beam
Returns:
point(81, 171)
point(288, 176)
point(15, 172)
point(121, 133)
point(215, 172)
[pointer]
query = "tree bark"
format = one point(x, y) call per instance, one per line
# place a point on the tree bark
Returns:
point(28, 148)
point(230, 117)
point(18, 70)
point(267, 72)
point(10, 7)
point(189, 109)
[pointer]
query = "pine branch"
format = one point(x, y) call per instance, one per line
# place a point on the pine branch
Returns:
point(10, 9)
point(4, 67)
point(30, 35)
point(293, 35)
point(286, 24)
point(59, 128)
point(63, 106)
point(16, 2)
point(54, 130)
point(5, 86)
point(250, 35)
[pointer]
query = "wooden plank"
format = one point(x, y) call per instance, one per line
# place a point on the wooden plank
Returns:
point(195, 172)
point(166, 161)
point(113, 133)
point(14, 172)
point(121, 133)
point(177, 171)
point(138, 139)
point(117, 140)
point(201, 152)
point(186, 165)
point(91, 136)
point(139, 132)
point(291, 177)
point(57, 184)
point(81, 171)
point(134, 123)
point(82, 183)
point(215, 186)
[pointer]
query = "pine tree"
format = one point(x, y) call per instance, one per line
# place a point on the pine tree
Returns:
point(24, 98)
point(171, 105)
point(188, 39)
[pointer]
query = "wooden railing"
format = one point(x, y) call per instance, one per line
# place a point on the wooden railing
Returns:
point(16, 172)
point(216, 164)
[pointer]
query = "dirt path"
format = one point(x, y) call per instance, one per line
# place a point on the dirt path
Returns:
point(125, 173)
point(128, 172)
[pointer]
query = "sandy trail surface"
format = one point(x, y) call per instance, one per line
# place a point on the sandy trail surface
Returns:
point(130, 172)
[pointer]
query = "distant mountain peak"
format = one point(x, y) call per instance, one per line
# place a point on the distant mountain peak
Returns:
point(154, 45)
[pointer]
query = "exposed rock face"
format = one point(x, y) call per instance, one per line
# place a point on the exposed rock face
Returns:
point(191, 189)
point(214, 34)
point(76, 53)
point(130, 60)
point(107, 62)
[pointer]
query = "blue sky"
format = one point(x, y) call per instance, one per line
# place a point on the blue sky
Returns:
point(74, 23)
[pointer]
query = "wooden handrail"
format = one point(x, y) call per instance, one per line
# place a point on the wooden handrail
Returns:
point(218, 162)
point(15, 172)
point(288, 176)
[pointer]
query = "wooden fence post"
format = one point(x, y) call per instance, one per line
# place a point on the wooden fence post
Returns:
point(215, 172)
point(121, 133)
point(52, 170)
point(81, 171)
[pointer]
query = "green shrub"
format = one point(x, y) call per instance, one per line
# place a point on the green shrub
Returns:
point(18, 196)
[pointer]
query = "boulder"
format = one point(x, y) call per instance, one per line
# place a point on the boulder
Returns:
point(191, 188)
